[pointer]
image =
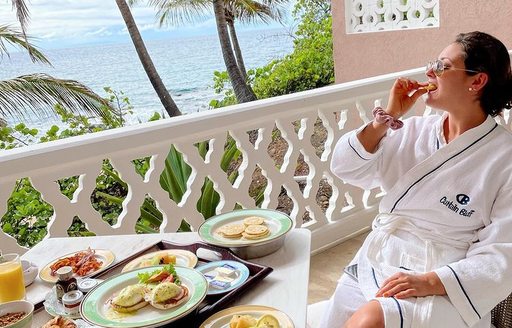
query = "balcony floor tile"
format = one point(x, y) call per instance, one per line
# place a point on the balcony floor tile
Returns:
point(326, 268)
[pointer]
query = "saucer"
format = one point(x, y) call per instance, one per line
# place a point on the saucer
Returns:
point(55, 308)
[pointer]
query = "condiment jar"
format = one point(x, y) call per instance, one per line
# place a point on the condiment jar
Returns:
point(71, 301)
point(85, 285)
point(65, 283)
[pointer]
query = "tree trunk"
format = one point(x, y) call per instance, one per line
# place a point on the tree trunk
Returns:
point(236, 47)
point(243, 91)
point(145, 59)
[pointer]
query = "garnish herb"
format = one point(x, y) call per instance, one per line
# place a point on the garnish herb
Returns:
point(144, 276)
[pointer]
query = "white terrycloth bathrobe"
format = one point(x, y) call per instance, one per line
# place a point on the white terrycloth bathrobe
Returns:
point(447, 208)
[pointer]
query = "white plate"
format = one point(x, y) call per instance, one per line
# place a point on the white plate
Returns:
point(105, 256)
point(221, 319)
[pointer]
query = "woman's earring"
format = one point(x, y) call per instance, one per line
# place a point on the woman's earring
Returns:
point(470, 89)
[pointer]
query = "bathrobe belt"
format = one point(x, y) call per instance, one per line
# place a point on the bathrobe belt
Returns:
point(384, 226)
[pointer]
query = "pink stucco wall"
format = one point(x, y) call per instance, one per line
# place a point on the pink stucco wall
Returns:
point(363, 55)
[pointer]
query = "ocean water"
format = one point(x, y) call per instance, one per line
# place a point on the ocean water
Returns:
point(185, 65)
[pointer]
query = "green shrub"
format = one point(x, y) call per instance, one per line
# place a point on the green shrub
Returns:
point(309, 66)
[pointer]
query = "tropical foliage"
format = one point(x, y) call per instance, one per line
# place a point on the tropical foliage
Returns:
point(12, 36)
point(309, 66)
point(40, 92)
point(250, 12)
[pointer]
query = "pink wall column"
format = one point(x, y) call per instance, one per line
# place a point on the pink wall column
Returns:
point(362, 55)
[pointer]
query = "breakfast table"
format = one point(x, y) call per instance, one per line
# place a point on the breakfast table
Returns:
point(285, 288)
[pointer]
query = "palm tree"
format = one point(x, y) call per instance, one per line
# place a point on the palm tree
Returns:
point(226, 11)
point(145, 59)
point(243, 91)
point(248, 12)
point(40, 92)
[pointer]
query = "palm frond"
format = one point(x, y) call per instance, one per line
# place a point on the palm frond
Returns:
point(22, 14)
point(250, 11)
point(177, 12)
point(40, 93)
point(16, 38)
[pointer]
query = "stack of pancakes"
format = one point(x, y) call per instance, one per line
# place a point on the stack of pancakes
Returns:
point(252, 228)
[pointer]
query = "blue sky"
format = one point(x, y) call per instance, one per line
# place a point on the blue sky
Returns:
point(68, 23)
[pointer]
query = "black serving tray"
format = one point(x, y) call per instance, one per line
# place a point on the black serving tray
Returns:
point(205, 253)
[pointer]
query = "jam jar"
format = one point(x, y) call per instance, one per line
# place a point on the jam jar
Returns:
point(71, 301)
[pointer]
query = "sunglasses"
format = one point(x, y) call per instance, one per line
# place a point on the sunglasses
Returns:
point(438, 67)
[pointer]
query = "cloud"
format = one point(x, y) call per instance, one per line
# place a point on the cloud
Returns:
point(59, 23)
point(100, 32)
point(71, 19)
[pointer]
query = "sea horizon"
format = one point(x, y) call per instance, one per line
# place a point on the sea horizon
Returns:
point(185, 64)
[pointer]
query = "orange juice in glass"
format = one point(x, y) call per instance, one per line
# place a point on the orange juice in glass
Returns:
point(12, 286)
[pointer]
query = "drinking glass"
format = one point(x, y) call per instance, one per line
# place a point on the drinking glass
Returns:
point(12, 286)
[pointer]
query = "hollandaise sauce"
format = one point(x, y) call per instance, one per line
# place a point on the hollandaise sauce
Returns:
point(113, 315)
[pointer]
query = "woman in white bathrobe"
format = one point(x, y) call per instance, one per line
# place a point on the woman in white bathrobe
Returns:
point(440, 251)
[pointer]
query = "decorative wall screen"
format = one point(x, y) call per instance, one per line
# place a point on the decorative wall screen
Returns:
point(389, 15)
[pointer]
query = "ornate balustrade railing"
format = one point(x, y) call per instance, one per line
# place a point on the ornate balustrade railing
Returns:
point(309, 124)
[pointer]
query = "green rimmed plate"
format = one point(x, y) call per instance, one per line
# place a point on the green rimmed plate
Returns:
point(277, 222)
point(96, 310)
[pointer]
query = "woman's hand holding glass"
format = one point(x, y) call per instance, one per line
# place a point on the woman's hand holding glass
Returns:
point(403, 95)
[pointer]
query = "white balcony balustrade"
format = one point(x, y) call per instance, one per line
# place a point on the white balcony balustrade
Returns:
point(339, 108)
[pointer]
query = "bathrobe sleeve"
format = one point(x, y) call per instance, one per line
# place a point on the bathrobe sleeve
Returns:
point(476, 284)
point(397, 152)
point(352, 163)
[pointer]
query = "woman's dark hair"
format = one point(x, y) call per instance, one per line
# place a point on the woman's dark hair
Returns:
point(485, 53)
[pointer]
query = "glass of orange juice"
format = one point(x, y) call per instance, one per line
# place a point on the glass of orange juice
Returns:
point(12, 286)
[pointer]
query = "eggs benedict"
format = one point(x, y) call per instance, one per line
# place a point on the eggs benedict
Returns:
point(130, 299)
point(166, 295)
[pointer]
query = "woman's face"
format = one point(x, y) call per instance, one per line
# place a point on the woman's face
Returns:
point(453, 84)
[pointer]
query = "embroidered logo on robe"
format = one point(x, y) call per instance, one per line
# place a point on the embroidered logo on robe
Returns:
point(463, 200)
